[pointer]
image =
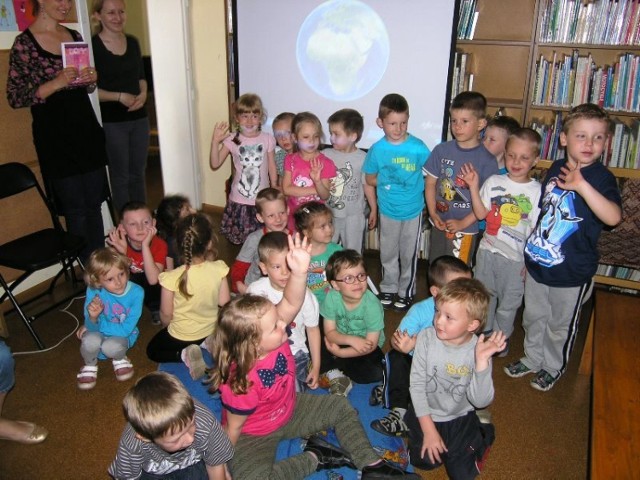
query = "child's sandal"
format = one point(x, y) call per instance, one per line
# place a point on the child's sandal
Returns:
point(123, 369)
point(87, 377)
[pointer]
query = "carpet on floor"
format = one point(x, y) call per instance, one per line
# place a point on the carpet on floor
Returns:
point(390, 448)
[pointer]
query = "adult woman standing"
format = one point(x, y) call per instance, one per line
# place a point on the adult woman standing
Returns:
point(68, 138)
point(122, 90)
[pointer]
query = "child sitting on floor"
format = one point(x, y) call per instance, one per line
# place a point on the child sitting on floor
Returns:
point(112, 308)
point(273, 249)
point(169, 212)
point(394, 393)
point(136, 238)
point(353, 321)
point(169, 434)
point(272, 212)
point(191, 295)
point(255, 375)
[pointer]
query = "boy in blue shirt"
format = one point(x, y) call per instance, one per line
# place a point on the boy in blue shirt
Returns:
point(394, 392)
point(455, 227)
point(394, 166)
point(579, 197)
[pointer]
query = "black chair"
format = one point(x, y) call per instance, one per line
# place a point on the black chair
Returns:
point(38, 250)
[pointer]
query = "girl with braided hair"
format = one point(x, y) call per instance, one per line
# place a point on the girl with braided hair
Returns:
point(191, 295)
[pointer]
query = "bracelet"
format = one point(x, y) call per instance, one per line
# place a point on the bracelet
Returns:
point(119, 95)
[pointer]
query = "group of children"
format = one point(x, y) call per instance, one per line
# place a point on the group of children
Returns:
point(304, 317)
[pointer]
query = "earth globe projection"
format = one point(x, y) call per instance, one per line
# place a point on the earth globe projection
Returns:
point(342, 49)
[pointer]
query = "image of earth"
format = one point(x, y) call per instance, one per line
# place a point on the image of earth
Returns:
point(342, 49)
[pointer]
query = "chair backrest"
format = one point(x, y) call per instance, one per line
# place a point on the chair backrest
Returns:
point(16, 178)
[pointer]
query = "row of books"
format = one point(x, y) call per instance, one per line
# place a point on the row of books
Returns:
point(467, 19)
point(570, 80)
point(608, 22)
point(462, 80)
point(550, 133)
point(624, 273)
point(622, 149)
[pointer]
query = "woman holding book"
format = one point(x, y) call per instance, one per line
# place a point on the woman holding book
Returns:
point(122, 90)
point(68, 139)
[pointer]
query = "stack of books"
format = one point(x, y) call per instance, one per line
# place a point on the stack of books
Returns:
point(550, 148)
point(462, 77)
point(604, 22)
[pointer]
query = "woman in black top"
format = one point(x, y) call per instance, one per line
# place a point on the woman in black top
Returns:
point(68, 138)
point(122, 90)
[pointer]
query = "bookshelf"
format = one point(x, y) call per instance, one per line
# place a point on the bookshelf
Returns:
point(511, 40)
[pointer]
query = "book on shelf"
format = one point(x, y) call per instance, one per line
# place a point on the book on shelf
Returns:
point(76, 54)
point(605, 22)
point(467, 19)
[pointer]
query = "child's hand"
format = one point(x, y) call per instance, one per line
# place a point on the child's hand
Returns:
point(316, 169)
point(241, 287)
point(437, 222)
point(454, 226)
point(80, 332)
point(151, 232)
point(433, 446)
point(373, 220)
point(312, 378)
point(299, 254)
point(333, 348)
point(94, 308)
point(403, 342)
point(570, 177)
point(486, 348)
point(118, 239)
point(362, 345)
point(470, 175)
point(220, 132)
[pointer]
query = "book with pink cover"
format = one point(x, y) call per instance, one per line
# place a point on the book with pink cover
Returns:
point(76, 54)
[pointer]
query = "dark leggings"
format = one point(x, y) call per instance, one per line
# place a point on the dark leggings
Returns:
point(165, 348)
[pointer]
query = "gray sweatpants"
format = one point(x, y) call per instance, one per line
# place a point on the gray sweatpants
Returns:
point(349, 232)
point(255, 455)
point(399, 244)
point(504, 278)
point(93, 343)
point(550, 321)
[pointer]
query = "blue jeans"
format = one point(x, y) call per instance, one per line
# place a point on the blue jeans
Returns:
point(302, 370)
point(7, 368)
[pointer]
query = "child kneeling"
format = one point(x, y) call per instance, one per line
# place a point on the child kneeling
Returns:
point(450, 375)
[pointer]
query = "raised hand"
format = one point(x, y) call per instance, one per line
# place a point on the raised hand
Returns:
point(403, 342)
point(220, 131)
point(118, 239)
point(570, 177)
point(299, 254)
point(487, 347)
point(470, 175)
point(94, 308)
point(316, 169)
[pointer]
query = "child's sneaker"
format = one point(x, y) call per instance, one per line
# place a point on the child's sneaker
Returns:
point(339, 383)
point(517, 369)
point(375, 398)
point(123, 369)
point(87, 377)
point(386, 299)
point(392, 425)
point(192, 358)
point(384, 469)
point(544, 381)
point(402, 304)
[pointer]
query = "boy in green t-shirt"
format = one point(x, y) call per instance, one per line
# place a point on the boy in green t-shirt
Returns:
point(353, 325)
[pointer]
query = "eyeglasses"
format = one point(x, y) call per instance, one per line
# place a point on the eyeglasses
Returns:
point(282, 134)
point(350, 279)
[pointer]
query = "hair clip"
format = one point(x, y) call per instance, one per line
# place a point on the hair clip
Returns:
point(306, 210)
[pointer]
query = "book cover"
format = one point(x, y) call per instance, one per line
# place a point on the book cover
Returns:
point(75, 54)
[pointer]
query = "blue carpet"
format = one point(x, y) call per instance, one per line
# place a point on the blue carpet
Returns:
point(390, 448)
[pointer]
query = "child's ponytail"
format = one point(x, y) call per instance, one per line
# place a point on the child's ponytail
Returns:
point(195, 237)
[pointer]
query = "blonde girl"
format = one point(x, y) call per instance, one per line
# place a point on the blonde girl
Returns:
point(112, 308)
point(307, 172)
point(190, 296)
point(315, 221)
point(255, 374)
point(254, 166)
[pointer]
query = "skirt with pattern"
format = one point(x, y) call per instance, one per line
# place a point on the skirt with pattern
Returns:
point(238, 221)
